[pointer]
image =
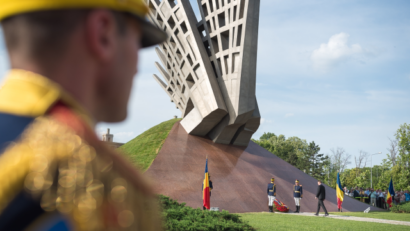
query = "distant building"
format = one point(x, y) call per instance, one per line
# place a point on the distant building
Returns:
point(109, 139)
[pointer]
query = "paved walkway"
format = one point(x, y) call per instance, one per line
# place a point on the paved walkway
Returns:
point(350, 218)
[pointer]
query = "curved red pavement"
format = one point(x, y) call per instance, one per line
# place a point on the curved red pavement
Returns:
point(239, 175)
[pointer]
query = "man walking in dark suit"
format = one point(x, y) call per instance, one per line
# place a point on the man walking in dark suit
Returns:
point(321, 196)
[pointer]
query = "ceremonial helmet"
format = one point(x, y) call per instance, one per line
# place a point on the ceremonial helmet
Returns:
point(272, 179)
point(151, 35)
point(296, 181)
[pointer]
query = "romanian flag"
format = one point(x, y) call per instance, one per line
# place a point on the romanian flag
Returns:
point(339, 192)
point(206, 190)
point(390, 193)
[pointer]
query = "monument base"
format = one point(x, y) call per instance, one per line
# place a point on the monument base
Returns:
point(240, 176)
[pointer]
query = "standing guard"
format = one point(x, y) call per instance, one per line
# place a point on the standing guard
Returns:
point(271, 194)
point(298, 195)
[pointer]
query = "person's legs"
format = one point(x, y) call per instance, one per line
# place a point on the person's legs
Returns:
point(318, 207)
point(297, 204)
point(323, 206)
point(271, 199)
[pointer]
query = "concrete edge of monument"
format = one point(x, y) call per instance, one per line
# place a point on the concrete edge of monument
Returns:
point(209, 67)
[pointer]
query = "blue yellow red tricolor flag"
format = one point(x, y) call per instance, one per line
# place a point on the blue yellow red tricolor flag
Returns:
point(390, 193)
point(205, 190)
point(339, 192)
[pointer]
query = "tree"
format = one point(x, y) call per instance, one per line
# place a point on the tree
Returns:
point(312, 162)
point(403, 138)
point(296, 152)
point(393, 151)
point(361, 160)
point(363, 180)
point(267, 136)
point(402, 167)
point(340, 159)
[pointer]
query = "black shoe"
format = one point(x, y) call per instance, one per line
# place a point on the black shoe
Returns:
point(338, 210)
point(270, 209)
point(316, 214)
point(327, 214)
point(298, 209)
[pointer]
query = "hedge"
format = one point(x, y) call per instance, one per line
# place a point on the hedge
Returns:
point(181, 217)
point(401, 208)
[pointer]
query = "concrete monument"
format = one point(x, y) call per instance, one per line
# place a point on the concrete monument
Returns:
point(209, 67)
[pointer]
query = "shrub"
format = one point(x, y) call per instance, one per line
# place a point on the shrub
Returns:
point(401, 208)
point(181, 217)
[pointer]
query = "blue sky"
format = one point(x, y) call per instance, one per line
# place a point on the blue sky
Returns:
point(333, 72)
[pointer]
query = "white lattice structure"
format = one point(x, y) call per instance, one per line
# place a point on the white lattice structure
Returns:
point(209, 67)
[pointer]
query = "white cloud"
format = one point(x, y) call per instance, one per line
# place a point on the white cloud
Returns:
point(388, 96)
point(336, 51)
point(124, 134)
point(265, 121)
point(289, 115)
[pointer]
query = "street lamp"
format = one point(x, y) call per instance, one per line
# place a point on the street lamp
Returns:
point(371, 169)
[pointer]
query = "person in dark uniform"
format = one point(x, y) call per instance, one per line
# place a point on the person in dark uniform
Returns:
point(271, 194)
point(321, 196)
point(298, 195)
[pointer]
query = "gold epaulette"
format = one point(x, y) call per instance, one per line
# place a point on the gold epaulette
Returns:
point(54, 164)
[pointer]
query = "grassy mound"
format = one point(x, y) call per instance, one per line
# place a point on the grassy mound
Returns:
point(143, 149)
point(180, 217)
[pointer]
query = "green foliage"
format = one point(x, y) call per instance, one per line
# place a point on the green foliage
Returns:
point(313, 162)
point(287, 149)
point(143, 149)
point(276, 221)
point(363, 180)
point(180, 217)
point(381, 174)
point(403, 137)
point(401, 208)
point(267, 136)
point(296, 152)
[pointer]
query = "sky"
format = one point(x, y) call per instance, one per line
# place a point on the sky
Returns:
point(333, 72)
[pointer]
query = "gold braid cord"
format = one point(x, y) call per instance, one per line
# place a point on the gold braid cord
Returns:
point(58, 167)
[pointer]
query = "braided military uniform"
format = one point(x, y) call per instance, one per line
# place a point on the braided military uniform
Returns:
point(55, 174)
point(271, 194)
point(297, 195)
point(53, 168)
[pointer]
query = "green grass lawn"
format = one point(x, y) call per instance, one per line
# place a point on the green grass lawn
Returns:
point(267, 221)
point(143, 149)
point(379, 215)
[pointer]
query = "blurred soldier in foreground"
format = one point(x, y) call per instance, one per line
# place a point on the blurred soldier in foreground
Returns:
point(298, 195)
point(271, 194)
point(73, 63)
